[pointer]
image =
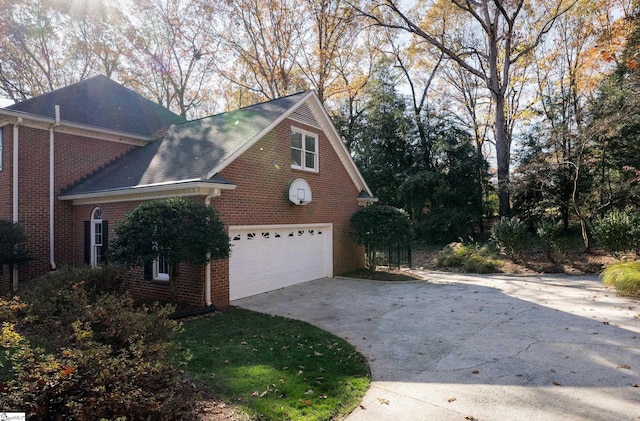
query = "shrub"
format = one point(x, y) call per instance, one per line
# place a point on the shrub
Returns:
point(100, 356)
point(624, 276)
point(617, 231)
point(549, 233)
point(512, 237)
point(468, 258)
point(377, 226)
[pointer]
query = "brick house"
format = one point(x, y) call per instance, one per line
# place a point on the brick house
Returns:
point(74, 161)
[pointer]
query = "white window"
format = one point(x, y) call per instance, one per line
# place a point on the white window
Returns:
point(1, 149)
point(97, 238)
point(161, 269)
point(304, 150)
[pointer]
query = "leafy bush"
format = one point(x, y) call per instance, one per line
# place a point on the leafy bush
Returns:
point(12, 243)
point(468, 258)
point(618, 231)
point(100, 356)
point(512, 237)
point(377, 226)
point(624, 276)
point(549, 233)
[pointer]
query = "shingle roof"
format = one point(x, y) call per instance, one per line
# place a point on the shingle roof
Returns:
point(103, 103)
point(189, 151)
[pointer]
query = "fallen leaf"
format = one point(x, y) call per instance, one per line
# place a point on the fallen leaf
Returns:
point(557, 384)
point(634, 384)
point(383, 401)
point(470, 418)
point(452, 399)
point(475, 372)
point(362, 407)
point(308, 392)
point(306, 402)
point(624, 366)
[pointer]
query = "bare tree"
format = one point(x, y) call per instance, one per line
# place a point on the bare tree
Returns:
point(504, 34)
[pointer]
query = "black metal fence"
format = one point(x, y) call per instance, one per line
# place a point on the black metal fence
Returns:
point(394, 255)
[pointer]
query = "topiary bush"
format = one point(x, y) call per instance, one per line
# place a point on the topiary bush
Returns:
point(82, 351)
point(512, 238)
point(617, 231)
point(624, 277)
point(378, 226)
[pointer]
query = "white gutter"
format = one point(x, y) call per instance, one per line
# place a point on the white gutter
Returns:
point(52, 260)
point(207, 268)
point(16, 132)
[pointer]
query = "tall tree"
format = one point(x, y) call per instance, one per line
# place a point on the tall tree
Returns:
point(500, 35)
point(171, 52)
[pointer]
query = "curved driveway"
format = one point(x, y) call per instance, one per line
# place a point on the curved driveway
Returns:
point(475, 347)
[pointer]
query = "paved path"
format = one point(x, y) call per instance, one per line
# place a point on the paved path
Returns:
point(475, 347)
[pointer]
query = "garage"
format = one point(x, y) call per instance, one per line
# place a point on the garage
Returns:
point(268, 257)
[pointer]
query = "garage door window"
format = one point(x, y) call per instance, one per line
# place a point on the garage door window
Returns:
point(304, 150)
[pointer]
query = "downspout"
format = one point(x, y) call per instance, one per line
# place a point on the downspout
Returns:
point(207, 268)
point(16, 132)
point(52, 260)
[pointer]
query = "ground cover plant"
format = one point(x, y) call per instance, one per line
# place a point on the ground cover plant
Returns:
point(470, 258)
point(624, 277)
point(275, 368)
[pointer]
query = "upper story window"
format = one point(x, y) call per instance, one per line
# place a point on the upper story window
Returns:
point(304, 150)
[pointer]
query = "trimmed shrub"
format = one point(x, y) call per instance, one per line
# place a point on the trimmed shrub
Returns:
point(512, 237)
point(617, 231)
point(624, 277)
point(468, 258)
point(84, 352)
point(377, 226)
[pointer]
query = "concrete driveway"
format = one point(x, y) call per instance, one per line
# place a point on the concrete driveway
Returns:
point(474, 347)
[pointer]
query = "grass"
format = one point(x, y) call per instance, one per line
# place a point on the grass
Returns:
point(273, 367)
point(624, 276)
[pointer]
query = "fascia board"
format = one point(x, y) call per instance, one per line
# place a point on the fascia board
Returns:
point(149, 192)
point(69, 127)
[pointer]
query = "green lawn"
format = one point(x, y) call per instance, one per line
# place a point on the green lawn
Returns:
point(275, 368)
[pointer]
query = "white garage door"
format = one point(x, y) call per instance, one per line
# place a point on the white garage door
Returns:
point(264, 258)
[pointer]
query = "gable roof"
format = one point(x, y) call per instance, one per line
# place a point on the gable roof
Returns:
point(198, 150)
point(101, 102)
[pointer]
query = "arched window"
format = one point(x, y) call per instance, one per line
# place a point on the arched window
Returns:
point(97, 238)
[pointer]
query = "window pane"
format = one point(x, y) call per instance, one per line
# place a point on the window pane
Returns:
point(310, 160)
point(296, 140)
point(310, 143)
point(296, 157)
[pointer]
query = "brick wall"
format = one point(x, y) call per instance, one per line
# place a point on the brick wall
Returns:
point(75, 158)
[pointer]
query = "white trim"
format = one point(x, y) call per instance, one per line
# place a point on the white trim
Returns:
point(303, 150)
point(93, 257)
point(157, 275)
point(68, 127)
point(149, 192)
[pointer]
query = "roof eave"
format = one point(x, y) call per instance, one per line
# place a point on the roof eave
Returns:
point(69, 127)
point(149, 192)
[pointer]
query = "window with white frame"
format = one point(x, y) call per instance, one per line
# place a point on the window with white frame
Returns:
point(304, 150)
point(97, 238)
point(161, 269)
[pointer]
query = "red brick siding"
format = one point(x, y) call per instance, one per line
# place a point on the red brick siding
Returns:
point(75, 158)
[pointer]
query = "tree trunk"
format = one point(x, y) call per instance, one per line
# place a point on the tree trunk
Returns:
point(503, 146)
